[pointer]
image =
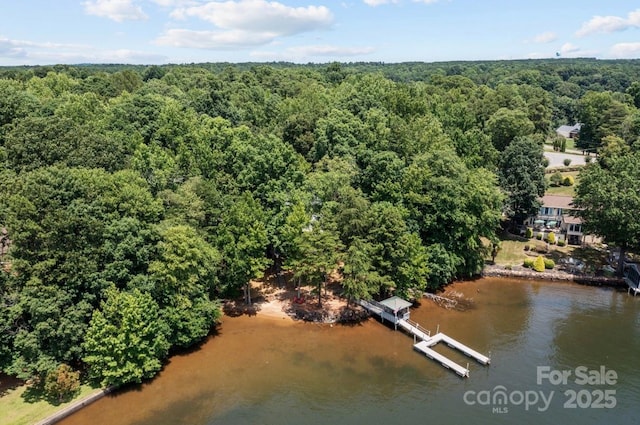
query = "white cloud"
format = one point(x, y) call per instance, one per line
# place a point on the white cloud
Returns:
point(569, 48)
point(126, 56)
point(101, 56)
point(626, 50)
point(104, 56)
point(117, 10)
point(608, 24)
point(327, 50)
point(374, 3)
point(260, 16)
point(537, 55)
point(11, 49)
point(33, 53)
point(244, 23)
point(214, 40)
point(300, 53)
point(22, 47)
point(545, 37)
point(174, 3)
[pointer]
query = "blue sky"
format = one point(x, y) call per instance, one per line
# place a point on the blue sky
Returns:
point(184, 31)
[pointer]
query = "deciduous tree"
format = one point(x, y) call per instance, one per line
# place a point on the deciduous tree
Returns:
point(185, 282)
point(601, 114)
point(319, 250)
point(453, 206)
point(242, 241)
point(62, 382)
point(522, 178)
point(608, 201)
point(507, 124)
point(126, 340)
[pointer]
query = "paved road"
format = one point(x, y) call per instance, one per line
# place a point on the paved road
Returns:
point(556, 159)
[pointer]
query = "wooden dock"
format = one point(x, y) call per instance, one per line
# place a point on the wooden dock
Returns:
point(426, 340)
point(415, 329)
point(466, 350)
point(425, 348)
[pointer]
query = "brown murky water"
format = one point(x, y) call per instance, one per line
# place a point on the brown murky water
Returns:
point(272, 371)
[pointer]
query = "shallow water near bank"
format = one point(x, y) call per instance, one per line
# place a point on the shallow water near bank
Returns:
point(274, 371)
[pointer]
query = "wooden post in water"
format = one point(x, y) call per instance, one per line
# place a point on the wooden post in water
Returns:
point(438, 329)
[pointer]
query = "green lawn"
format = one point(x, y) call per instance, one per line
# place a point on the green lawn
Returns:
point(17, 408)
point(571, 144)
point(512, 252)
point(562, 190)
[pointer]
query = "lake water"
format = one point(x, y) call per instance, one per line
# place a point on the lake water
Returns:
point(273, 371)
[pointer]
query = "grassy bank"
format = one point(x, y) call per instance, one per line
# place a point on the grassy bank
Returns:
point(512, 252)
point(20, 405)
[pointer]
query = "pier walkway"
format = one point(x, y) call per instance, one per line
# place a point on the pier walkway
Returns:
point(396, 310)
point(415, 329)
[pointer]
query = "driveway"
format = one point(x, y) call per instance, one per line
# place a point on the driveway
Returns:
point(556, 159)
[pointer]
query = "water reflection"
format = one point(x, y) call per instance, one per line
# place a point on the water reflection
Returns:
point(271, 371)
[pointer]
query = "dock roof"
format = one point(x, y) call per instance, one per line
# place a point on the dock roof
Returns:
point(396, 303)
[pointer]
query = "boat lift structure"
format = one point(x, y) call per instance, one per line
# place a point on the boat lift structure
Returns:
point(396, 311)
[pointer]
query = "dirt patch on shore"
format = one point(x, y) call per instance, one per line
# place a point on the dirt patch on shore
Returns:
point(278, 297)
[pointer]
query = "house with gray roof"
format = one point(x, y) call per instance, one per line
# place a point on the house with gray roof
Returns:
point(569, 131)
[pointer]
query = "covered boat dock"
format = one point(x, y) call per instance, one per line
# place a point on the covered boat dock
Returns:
point(396, 310)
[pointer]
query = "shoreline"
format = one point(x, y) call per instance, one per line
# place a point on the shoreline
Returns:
point(279, 308)
point(278, 302)
point(334, 310)
point(582, 279)
point(75, 406)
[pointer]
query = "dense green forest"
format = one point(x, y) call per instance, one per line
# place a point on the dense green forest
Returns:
point(135, 198)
